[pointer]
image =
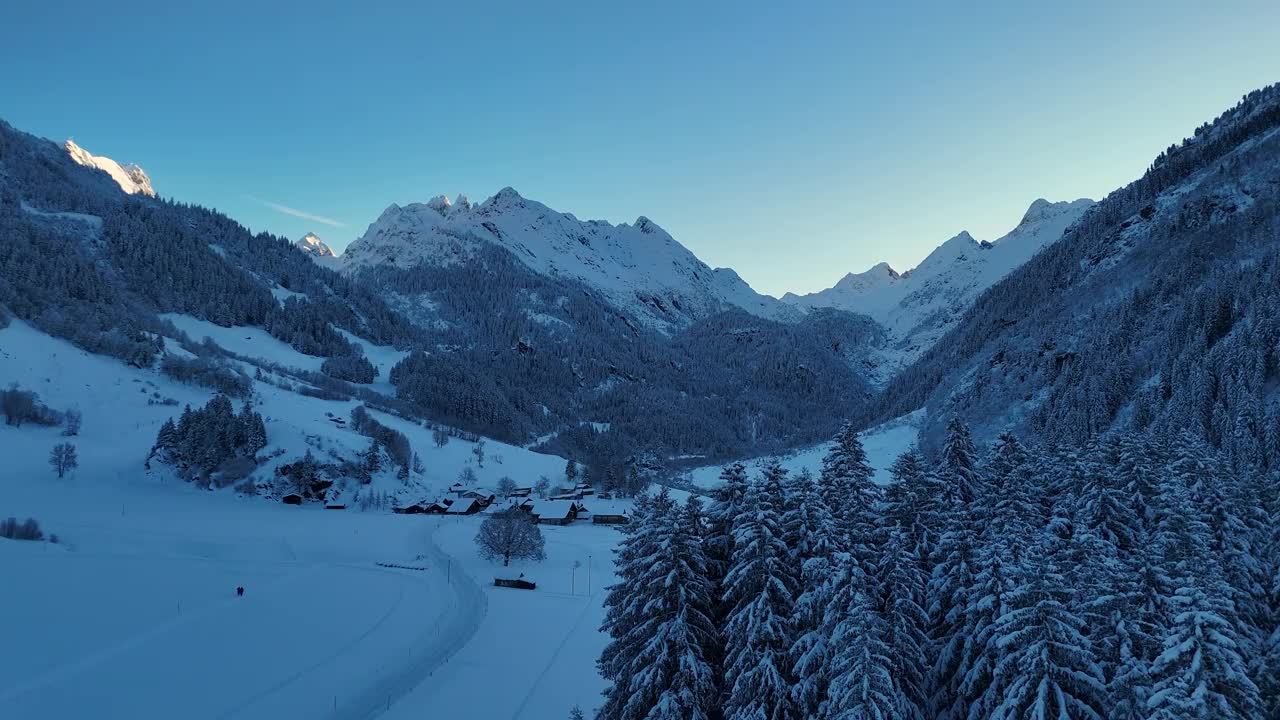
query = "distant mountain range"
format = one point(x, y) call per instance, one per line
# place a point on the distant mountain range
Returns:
point(532, 324)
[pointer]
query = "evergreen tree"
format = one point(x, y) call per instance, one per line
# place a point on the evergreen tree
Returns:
point(846, 487)
point(1201, 673)
point(372, 458)
point(660, 623)
point(959, 463)
point(900, 594)
point(726, 505)
point(1045, 667)
point(759, 590)
point(862, 685)
point(809, 533)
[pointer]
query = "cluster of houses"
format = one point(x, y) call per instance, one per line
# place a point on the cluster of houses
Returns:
point(562, 507)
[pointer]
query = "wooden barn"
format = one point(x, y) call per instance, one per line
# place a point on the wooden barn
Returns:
point(610, 519)
point(519, 583)
point(292, 499)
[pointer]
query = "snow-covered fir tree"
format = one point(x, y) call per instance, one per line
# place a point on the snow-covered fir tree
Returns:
point(662, 629)
point(846, 486)
point(759, 589)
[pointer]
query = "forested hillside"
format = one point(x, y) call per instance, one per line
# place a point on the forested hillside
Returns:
point(1158, 310)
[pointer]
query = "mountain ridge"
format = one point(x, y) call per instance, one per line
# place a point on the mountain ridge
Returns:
point(131, 178)
point(639, 265)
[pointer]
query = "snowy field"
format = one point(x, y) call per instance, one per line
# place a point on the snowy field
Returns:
point(133, 614)
point(883, 444)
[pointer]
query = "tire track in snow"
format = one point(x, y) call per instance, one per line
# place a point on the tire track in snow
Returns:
point(285, 682)
point(551, 662)
point(439, 644)
point(72, 668)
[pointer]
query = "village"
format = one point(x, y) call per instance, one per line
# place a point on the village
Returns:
point(561, 506)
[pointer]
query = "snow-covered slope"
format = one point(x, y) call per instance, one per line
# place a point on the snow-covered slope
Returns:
point(346, 614)
point(129, 177)
point(639, 267)
point(918, 306)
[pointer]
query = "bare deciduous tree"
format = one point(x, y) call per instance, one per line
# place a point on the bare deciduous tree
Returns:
point(63, 458)
point(506, 486)
point(510, 534)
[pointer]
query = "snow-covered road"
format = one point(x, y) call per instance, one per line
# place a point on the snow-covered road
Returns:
point(463, 611)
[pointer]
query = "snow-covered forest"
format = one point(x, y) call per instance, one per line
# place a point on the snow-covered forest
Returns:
point(1135, 577)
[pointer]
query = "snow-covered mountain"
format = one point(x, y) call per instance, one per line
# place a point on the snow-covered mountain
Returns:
point(919, 305)
point(129, 177)
point(639, 267)
point(313, 245)
point(1156, 312)
point(317, 250)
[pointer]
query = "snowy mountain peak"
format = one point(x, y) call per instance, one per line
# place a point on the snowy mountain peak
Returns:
point(440, 204)
point(311, 243)
point(659, 282)
point(505, 197)
point(917, 306)
point(881, 275)
point(446, 207)
point(649, 227)
point(1042, 210)
point(131, 178)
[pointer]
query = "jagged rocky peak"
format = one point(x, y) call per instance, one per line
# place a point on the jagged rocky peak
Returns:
point(311, 243)
point(131, 178)
point(1042, 209)
point(879, 275)
point(446, 207)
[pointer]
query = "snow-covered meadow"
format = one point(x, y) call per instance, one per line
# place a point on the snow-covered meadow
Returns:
point(146, 569)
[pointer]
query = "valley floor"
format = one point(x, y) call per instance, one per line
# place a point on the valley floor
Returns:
point(134, 614)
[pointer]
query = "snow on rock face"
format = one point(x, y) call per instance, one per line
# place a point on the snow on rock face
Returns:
point(639, 267)
point(918, 306)
point(130, 178)
point(311, 243)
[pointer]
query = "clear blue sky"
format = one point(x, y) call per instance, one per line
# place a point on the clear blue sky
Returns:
point(791, 141)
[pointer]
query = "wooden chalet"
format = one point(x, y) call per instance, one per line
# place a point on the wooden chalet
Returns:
point(464, 506)
point(480, 495)
point(292, 499)
point(439, 507)
point(555, 512)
